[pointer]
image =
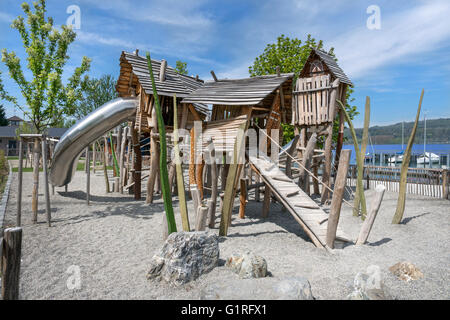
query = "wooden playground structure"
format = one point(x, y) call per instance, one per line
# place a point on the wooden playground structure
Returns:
point(213, 143)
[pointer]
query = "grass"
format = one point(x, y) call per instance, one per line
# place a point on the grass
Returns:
point(13, 158)
point(4, 171)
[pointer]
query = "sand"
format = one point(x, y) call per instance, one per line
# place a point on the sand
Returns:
point(113, 240)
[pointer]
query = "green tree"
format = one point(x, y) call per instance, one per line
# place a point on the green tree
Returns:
point(291, 55)
point(3, 120)
point(94, 93)
point(181, 67)
point(47, 98)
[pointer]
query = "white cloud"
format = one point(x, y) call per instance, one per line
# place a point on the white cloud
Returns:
point(402, 36)
point(6, 17)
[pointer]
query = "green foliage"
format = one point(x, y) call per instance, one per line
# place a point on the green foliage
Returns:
point(181, 67)
point(25, 128)
point(46, 96)
point(3, 120)
point(4, 171)
point(291, 55)
point(438, 131)
point(94, 93)
point(164, 176)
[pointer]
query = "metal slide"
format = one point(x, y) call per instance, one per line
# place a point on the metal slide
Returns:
point(84, 132)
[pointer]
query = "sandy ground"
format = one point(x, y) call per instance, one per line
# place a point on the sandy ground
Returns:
point(113, 240)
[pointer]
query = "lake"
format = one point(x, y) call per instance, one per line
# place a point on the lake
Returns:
point(389, 150)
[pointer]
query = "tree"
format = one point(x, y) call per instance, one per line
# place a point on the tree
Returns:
point(3, 120)
point(291, 55)
point(48, 99)
point(181, 67)
point(95, 93)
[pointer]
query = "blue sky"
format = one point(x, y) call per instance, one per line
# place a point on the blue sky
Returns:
point(411, 51)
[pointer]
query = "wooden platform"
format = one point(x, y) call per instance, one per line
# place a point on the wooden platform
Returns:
point(305, 210)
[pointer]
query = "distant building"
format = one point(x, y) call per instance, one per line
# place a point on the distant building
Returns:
point(8, 137)
point(14, 121)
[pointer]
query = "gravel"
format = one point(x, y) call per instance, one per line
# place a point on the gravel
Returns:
point(112, 241)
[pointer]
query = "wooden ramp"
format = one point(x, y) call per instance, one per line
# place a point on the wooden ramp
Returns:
point(307, 212)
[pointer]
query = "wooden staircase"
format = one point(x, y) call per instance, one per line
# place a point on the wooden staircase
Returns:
point(304, 209)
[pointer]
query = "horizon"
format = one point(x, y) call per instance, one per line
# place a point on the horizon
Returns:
point(384, 63)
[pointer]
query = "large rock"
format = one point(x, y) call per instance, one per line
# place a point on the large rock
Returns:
point(247, 265)
point(184, 257)
point(406, 271)
point(369, 285)
point(297, 288)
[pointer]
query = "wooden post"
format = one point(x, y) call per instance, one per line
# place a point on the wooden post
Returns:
point(88, 176)
point(266, 203)
point(121, 158)
point(214, 178)
point(316, 174)
point(338, 194)
point(154, 158)
point(35, 193)
point(368, 223)
point(105, 169)
point(19, 189)
point(404, 171)
point(233, 175)
point(200, 222)
point(445, 184)
point(243, 198)
point(138, 164)
point(179, 172)
point(46, 190)
point(94, 157)
point(195, 197)
point(359, 186)
point(303, 181)
point(291, 152)
point(10, 262)
point(328, 143)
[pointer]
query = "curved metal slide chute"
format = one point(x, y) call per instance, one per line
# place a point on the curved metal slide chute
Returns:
point(84, 132)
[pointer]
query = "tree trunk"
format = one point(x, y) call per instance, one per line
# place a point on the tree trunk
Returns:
point(34, 200)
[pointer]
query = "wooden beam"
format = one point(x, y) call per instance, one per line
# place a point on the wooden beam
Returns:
point(368, 223)
point(46, 189)
point(338, 195)
point(162, 70)
point(328, 143)
point(194, 112)
point(214, 75)
point(19, 188)
point(243, 197)
point(233, 175)
point(10, 263)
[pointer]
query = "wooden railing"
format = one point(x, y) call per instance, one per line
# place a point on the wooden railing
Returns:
point(422, 181)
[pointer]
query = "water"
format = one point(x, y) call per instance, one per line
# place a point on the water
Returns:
point(389, 150)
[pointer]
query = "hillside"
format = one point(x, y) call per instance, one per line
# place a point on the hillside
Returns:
point(438, 131)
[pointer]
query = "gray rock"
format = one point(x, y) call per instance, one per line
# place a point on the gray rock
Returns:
point(368, 286)
point(247, 265)
point(259, 289)
point(184, 257)
point(293, 289)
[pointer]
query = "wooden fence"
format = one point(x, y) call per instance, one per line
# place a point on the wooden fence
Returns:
point(422, 181)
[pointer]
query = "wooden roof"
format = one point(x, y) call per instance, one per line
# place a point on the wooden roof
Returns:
point(238, 92)
point(330, 63)
point(174, 82)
